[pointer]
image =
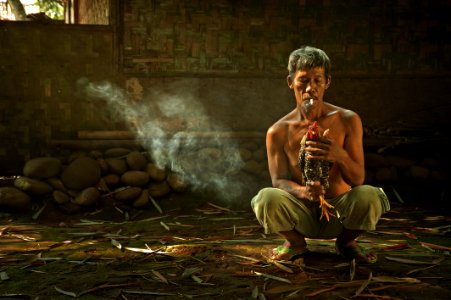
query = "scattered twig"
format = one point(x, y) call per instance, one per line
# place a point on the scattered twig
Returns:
point(247, 258)
point(352, 270)
point(147, 293)
point(420, 269)
point(116, 191)
point(152, 219)
point(272, 277)
point(219, 207)
point(165, 226)
point(71, 294)
point(364, 285)
point(378, 297)
point(408, 261)
point(435, 247)
point(158, 207)
point(105, 286)
point(18, 296)
point(159, 276)
point(60, 244)
point(226, 219)
point(38, 213)
point(281, 266)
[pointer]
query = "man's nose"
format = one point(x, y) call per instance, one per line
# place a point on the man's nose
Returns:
point(310, 86)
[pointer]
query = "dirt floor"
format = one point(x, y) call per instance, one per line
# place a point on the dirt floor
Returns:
point(212, 252)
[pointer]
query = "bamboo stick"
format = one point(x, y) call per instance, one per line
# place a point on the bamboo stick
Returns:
point(120, 134)
point(106, 135)
point(93, 144)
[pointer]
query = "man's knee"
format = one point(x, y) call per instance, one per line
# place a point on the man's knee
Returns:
point(366, 197)
point(266, 197)
point(364, 209)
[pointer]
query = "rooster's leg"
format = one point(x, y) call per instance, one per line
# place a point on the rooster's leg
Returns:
point(326, 208)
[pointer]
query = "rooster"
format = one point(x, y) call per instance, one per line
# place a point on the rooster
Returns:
point(315, 169)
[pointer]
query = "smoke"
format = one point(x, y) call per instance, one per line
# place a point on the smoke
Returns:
point(176, 131)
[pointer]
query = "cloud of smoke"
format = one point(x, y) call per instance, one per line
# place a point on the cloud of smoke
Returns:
point(178, 134)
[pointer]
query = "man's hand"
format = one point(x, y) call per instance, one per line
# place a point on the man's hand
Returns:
point(325, 149)
point(313, 190)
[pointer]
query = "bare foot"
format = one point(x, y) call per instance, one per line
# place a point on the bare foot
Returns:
point(352, 250)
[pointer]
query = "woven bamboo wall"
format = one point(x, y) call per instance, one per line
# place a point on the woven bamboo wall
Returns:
point(40, 66)
point(255, 37)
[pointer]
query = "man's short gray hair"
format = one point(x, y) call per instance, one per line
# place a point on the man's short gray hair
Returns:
point(308, 57)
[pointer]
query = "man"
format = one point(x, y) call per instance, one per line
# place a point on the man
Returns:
point(291, 207)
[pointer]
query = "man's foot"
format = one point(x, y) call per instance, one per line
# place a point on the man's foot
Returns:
point(288, 253)
point(354, 251)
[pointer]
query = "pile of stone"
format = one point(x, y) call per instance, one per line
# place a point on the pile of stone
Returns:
point(390, 168)
point(118, 174)
point(128, 177)
point(125, 176)
point(255, 160)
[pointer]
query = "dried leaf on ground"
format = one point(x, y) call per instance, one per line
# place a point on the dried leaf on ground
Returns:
point(104, 286)
point(285, 288)
point(154, 202)
point(335, 286)
point(281, 266)
point(352, 270)
point(160, 276)
point(407, 261)
point(364, 285)
point(4, 276)
point(255, 293)
point(396, 247)
point(272, 277)
point(379, 297)
point(190, 271)
point(165, 226)
point(72, 294)
point(435, 247)
point(420, 269)
point(219, 207)
point(150, 293)
point(389, 279)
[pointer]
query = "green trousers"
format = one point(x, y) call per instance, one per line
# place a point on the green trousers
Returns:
point(358, 209)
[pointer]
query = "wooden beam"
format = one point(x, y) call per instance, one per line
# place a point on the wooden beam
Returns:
point(106, 135)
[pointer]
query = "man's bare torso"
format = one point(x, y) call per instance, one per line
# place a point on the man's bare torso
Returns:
point(333, 119)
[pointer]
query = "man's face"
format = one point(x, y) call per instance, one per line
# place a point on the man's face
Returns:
point(309, 87)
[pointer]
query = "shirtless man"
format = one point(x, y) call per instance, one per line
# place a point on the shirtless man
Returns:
point(290, 207)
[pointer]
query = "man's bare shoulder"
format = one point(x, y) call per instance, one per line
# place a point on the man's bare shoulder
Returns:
point(281, 126)
point(345, 114)
point(346, 119)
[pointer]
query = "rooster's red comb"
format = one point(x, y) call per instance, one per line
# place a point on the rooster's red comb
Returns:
point(312, 132)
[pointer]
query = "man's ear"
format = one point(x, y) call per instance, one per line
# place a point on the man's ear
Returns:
point(329, 79)
point(290, 82)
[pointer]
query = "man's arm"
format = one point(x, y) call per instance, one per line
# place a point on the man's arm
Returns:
point(352, 165)
point(348, 157)
point(278, 162)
